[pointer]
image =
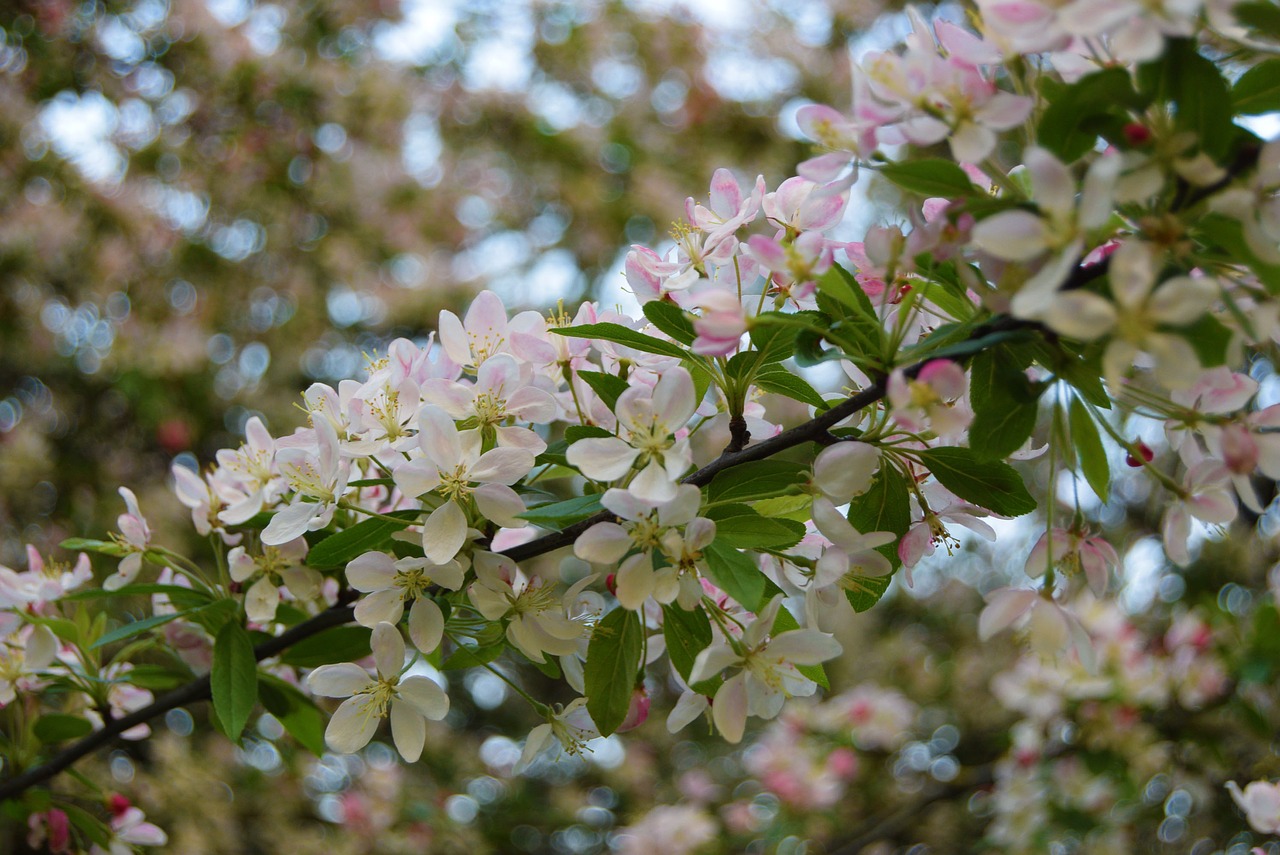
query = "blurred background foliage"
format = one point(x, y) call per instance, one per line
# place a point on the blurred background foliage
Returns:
point(204, 207)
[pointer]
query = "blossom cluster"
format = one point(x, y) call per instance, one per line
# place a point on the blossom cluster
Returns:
point(1100, 280)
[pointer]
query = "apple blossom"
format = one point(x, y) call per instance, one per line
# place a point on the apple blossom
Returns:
point(1260, 801)
point(538, 620)
point(276, 566)
point(928, 401)
point(135, 538)
point(767, 670)
point(647, 421)
point(409, 701)
point(451, 466)
point(390, 583)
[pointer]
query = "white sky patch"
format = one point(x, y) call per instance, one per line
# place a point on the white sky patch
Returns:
point(80, 129)
point(425, 31)
point(1143, 566)
point(1266, 126)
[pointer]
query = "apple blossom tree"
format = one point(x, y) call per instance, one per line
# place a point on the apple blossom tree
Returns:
point(1089, 242)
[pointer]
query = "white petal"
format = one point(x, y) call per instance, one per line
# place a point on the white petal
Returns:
point(351, 727)
point(712, 661)
point(408, 730)
point(426, 625)
point(290, 522)
point(385, 606)
point(1011, 235)
point(338, 681)
point(729, 710)
point(425, 695)
point(388, 649)
point(804, 647)
point(602, 458)
point(603, 543)
point(372, 571)
point(444, 533)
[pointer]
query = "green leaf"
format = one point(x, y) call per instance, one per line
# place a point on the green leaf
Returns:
point(773, 342)
point(607, 386)
point(298, 713)
point(619, 334)
point(761, 479)
point(780, 381)
point(59, 727)
point(233, 680)
point(156, 678)
point(1081, 112)
point(368, 535)
point(785, 622)
point(472, 657)
point(1004, 405)
point(613, 660)
point(734, 573)
point(671, 319)
point(1201, 98)
point(1210, 340)
point(856, 327)
point(930, 177)
point(103, 547)
point(687, 634)
point(137, 627)
point(1261, 16)
point(138, 591)
point(989, 484)
point(338, 644)
point(885, 506)
point(864, 592)
point(1223, 237)
point(1089, 450)
point(998, 431)
point(558, 516)
point(87, 824)
point(573, 433)
point(372, 482)
point(1258, 89)
point(740, 526)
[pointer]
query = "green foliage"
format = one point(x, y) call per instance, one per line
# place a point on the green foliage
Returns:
point(930, 177)
point(365, 536)
point(300, 716)
point(1095, 106)
point(687, 634)
point(988, 484)
point(1257, 92)
point(337, 644)
point(1005, 404)
point(607, 386)
point(885, 506)
point(739, 525)
point(1090, 454)
point(759, 479)
point(734, 573)
point(233, 679)
point(671, 319)
point(613, 661)
point(619, 334)
point(557, 516)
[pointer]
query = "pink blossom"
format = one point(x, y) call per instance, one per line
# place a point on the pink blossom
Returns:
point(721, 325)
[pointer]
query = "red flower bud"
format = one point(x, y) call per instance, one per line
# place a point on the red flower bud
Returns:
point(1144, 450)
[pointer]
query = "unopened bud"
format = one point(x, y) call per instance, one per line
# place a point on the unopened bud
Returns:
point(1144, 450)
point(1137, 134)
